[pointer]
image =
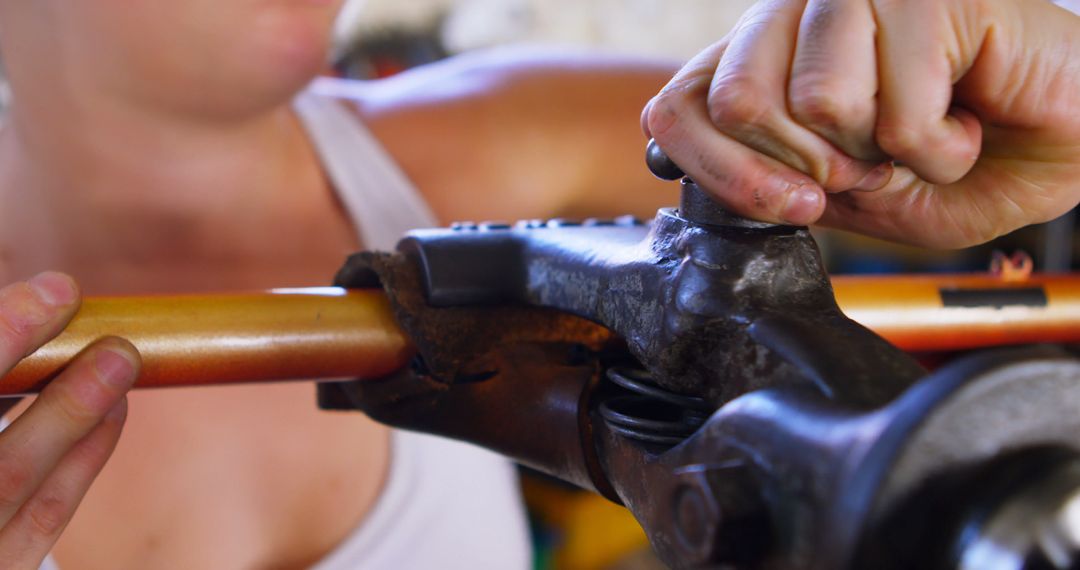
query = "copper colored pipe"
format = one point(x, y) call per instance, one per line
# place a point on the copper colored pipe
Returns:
point(912, 312)
point(209, 339)
point(328, 333)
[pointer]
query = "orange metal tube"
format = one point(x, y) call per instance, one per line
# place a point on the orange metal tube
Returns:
point(330, 333)
point(210, 339)
point(910, 312)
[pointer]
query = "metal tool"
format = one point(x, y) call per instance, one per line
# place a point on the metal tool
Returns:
point(699, 371)
point(696, 369)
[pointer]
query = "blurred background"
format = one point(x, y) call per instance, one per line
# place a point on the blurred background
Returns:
point(672, 28)
point(379, 38)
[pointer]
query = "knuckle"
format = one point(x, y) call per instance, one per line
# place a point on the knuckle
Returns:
point(822, 106)
point(77, 406)
point(671, 102)
point(21, 313)
point(47, 514)
point(661, 115)
point(739, 103)
point(899, 139)
point(15, 479)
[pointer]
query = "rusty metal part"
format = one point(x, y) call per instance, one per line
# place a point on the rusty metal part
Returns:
point(675, 291)
point(517, 378)
point(188, 340)
point(738, 414)
point(915, 314)
point(711, 311)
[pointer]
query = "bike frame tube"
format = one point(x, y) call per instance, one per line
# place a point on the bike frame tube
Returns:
point(330, 333)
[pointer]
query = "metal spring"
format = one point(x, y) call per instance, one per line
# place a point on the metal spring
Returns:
point(651, 414)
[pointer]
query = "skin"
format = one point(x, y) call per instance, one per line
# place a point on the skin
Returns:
point(51, 453)
point(151, 148)
point(799, 113)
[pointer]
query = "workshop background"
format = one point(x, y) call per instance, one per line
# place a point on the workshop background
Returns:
point(378, 38)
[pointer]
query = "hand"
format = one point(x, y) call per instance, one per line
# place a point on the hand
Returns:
point(52, 452)
point(799, 113)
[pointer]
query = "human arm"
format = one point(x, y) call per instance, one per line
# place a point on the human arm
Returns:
point(805, 104)
point(523, 133)
point(51, 453)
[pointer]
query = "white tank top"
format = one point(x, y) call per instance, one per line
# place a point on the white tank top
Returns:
point(445, 504)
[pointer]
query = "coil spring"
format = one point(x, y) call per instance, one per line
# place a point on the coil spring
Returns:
point(651, 414)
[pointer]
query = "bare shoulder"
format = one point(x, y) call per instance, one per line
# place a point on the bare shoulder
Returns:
point(508, 133)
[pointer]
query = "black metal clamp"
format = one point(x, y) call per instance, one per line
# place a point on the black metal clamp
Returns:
point(697, 370)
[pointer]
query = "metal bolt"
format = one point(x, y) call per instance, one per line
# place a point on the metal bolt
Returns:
point(697, 521)
point(697, 206)
point(718, 516)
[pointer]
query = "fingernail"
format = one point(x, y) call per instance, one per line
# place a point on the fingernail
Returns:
point(803, 206)
point(114, 368)
point(876, 179)
point(54, 289)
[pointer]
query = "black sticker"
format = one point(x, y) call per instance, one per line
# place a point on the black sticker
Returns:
point(996, 298)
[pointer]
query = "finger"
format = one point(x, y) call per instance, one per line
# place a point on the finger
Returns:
point(748, 101)
point(918, 57)
point(33, 312)
point(743, 180)
point(833, 85)
point(645, 118)
point(65, 412)
point(981, 207)
point(29, 536)
point(689, 77)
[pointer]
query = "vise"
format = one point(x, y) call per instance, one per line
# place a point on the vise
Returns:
point(697, 369)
